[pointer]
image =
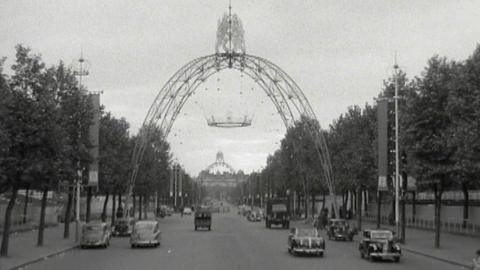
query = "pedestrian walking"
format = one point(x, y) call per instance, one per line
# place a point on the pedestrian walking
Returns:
point(476, 261)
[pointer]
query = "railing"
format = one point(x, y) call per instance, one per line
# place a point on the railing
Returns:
point(473, 195)
point(454, 226)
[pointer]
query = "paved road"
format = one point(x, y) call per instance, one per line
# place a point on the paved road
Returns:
point(233, 243)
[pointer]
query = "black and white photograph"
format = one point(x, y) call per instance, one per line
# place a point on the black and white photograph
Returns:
point(240, 134)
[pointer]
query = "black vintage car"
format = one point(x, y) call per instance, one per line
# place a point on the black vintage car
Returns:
point(379, 244)
point(203, 219)
point(123, 227)
point(339, 229)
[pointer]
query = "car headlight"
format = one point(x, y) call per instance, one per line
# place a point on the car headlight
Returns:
point(373, 246)
point(396, 247)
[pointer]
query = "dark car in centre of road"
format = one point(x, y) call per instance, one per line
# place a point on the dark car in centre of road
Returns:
point(123, 227)
point(339, 229)
point(305, 241)
point(203, 219)
point(379, 244)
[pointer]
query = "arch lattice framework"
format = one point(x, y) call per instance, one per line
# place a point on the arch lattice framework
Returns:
point(289, 100)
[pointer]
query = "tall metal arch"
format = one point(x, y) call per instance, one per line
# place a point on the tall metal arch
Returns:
point(289, 100)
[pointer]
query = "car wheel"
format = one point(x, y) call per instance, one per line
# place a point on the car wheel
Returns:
point(289, 250)
point(209, 228)
point(362, 255)
point(320, 254)
point(397, 259)
point(372, 259)
point(133, 246)
point(195, 228)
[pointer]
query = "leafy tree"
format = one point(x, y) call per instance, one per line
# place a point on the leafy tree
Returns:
point(428, 131)
point(115, 154)
point(463, 108)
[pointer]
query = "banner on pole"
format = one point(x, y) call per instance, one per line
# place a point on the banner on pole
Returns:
point(94, 139)
point(382, 117)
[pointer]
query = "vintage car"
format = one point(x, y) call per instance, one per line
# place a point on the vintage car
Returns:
point(95, 235)
point(123, 227)
point(305, 241)
point(145, 233)
point(379, 244)
point(339, 229)
point(254, 216)
point(203, 219)
point(187, 211)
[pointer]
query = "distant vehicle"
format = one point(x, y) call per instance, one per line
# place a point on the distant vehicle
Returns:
point(145, 233)
point(95, 235)
point(254, 216)
point(339, 229)
point(123, 227)
point(379, 244)
point(203, 219)
point(187, 211)
point(305, 241)
point(277, 213)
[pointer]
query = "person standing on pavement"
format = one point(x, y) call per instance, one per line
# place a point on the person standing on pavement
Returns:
point(476, 261)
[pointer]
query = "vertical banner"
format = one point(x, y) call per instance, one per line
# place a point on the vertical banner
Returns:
point(171, 181)
point(180, 185)
point(382, 119)
point(94, 139)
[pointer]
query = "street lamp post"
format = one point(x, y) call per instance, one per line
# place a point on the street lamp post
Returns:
point(82, 71)
point(397, 165)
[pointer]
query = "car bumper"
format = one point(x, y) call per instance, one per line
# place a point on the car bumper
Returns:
point(145, 242)
point(308, 250)
point(92, 244)
point(388, 255)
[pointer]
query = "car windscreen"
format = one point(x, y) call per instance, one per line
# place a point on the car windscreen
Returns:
point(307, 232)
point(144, 227)
point(279, 208)
point(381, 235)
point(93, 230)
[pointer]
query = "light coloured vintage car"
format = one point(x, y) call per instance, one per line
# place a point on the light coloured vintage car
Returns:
point(305, 241)
point(95, 235)
point(145, 233)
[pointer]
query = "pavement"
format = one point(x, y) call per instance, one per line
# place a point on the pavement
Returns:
point(455, 249)
point(23, 249)
point(234, 243)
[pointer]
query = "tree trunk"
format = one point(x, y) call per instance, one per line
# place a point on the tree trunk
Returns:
point(6, 225)
point(323, 200)
point(25, 206)
point(41, 225)
point(89, 200)
point(414, 206)
point(134, 202)
point(104, 210)
point(466, 203)
point(359, 209)
point(68, 212)
point(305, 203)
point(355, 201)
point(352, 201)
point(392, 214)
point(438, 207)
point(313, 204)
point(145, 206)
point(403, 220)
point(379, 209)
point(113, 208)
point(140, 207)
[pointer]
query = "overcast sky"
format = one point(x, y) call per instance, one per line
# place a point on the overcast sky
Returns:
point(338, 52)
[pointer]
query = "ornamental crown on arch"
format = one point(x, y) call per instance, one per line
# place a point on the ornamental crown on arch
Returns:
point(230, 35)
